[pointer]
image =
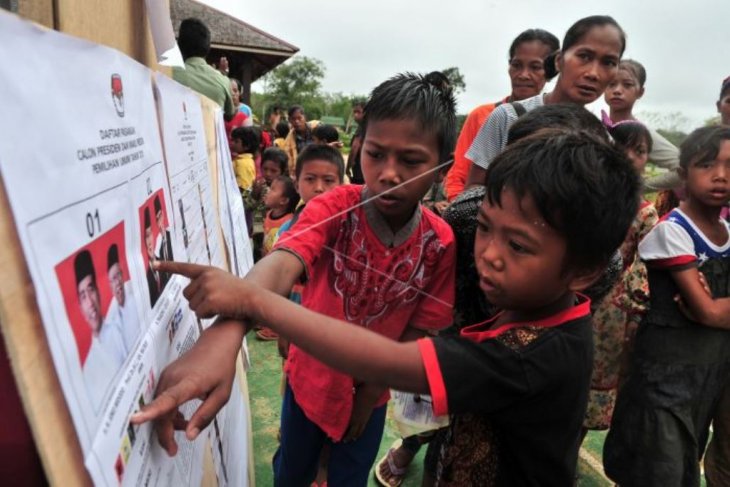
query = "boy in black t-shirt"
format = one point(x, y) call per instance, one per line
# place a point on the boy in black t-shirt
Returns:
point(558, 204)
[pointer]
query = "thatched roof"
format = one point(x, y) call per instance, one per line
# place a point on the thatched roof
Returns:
point(228, 31)
point(234, 38)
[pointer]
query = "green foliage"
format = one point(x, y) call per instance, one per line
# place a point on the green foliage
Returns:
point(458, 84)
point(299, 82)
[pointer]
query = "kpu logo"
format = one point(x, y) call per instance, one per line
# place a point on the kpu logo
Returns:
point(118, 94)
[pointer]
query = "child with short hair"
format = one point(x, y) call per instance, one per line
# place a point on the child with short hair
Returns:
point(524, 375)
point(282, 130)
point(371, 257)
point(319, 169)
point(281, 200)
point(681, 357)
point(245, 143)
point(325, 134)
point(621, 95)
point(274, 163)
point(298, 137)
point(616, 316)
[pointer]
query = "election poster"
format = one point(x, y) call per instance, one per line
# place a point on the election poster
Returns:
point(98, 196)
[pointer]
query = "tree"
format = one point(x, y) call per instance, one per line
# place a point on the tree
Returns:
point(297, 81)
point(456, 79)
point(672, 126)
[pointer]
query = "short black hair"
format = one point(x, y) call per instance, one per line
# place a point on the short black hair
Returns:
point(294, 109)
point(290, 191)
point(703, 144)
point(282, 129)
point(193, 38)
point(583, 188)
point(420, 97)
point(559, 115)
point(326, 153)
point(576, 32)
point(358, 102)
point(326, 133)
point(157, 204)
point(629, 134)
point(530, 35)
point(147, 219)
point(112, 256)
point(250, 137)
point(277, 156)
point(84, 267)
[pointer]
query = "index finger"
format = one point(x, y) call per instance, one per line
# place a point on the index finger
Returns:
point(168, 400)
point(183, 268)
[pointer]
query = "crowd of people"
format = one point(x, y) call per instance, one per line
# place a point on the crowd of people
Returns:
point(542, 295)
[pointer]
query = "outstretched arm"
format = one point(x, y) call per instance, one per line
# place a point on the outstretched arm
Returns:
point(208, 368)
point(351, 349)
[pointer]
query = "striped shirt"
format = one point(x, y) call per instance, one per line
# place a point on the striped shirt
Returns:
point(492, 136)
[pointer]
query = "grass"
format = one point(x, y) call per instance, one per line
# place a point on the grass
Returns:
point(264, 382)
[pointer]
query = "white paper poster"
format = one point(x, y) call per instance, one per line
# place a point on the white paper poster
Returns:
point(187, 165)
point(88, 186)
point(230, 202)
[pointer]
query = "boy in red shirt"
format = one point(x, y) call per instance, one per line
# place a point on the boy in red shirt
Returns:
point(371, 256)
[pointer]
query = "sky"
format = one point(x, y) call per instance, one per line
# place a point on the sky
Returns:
point(684, 45)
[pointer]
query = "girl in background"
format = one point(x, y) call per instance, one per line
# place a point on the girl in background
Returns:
point(616, 315)
point(681, 358)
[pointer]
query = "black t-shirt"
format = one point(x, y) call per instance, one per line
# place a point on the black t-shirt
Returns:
point(530, 381)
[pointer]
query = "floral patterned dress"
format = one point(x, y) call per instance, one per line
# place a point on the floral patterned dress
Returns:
point(614, 318)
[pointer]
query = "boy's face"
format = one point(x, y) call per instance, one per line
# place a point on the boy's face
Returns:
point(708, 182)
point(519, 257)
point(357, 113)
point(317, 177)
point(237, 146)
point(298, 121)
point(270, 170)
point(396, 158)
point(275, 197)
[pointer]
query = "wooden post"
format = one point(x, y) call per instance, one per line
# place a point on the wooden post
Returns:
point(246, 77)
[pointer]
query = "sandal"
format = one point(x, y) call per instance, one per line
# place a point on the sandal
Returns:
point(397, 474)
point(267, 334)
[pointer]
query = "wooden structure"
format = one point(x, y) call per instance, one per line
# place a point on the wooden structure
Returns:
point(251, 52)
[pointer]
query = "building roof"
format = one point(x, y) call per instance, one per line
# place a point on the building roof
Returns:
point(227, 30)
point(232, 35)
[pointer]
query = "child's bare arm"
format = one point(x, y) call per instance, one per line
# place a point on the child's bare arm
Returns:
point(207, 370)
point(353, 350)
point(702, 307)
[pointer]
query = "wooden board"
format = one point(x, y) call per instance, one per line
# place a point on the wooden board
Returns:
point(30, 358)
